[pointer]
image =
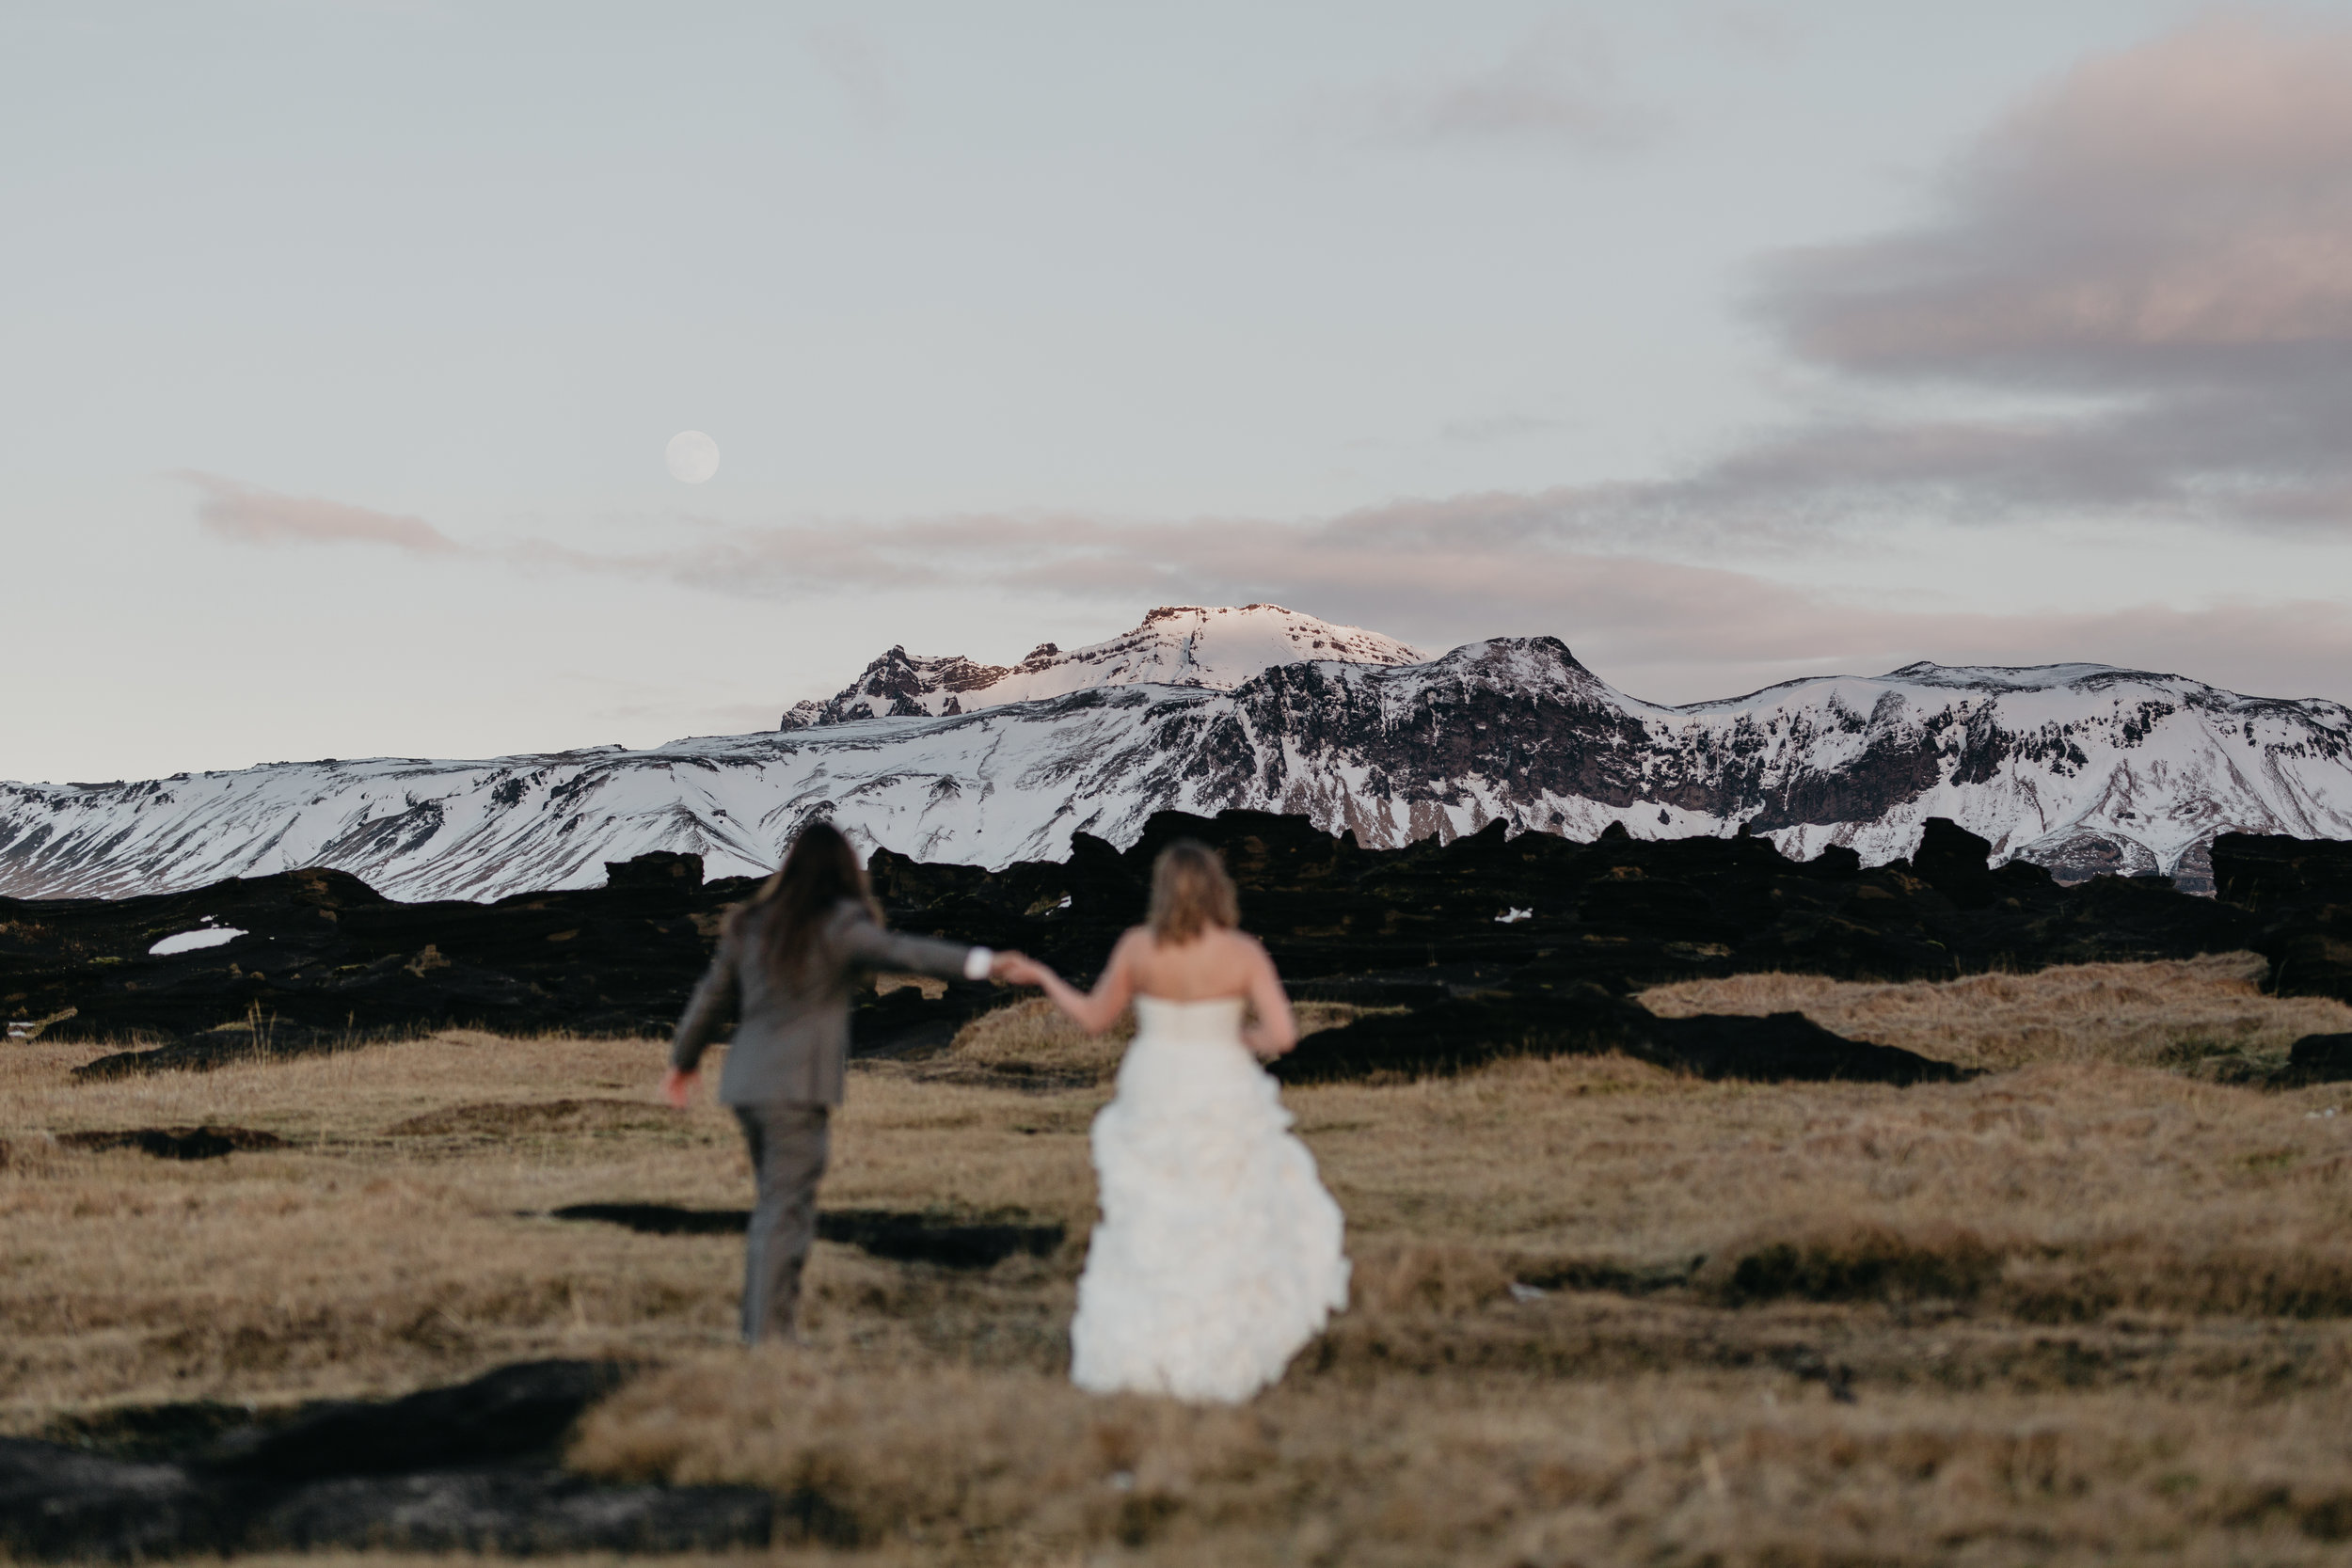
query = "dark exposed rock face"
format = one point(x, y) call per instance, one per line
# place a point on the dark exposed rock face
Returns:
point(466, 1468)
point(324, 961)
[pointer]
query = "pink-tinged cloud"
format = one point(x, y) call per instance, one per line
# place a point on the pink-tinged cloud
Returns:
point(1436, 572)
point(1441, 574)
point(2166, 231)
point(2174, 201)
point(253, 516)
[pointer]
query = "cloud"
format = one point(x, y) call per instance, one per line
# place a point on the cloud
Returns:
point(860, 68)
point(1498, 427)
point(2180, 205)
point(1437, 572)
point(2152, 255)
point(1748, 32)
point(1440, 573)
point(2165, 234)
point(253, 516)
point(1558, 85)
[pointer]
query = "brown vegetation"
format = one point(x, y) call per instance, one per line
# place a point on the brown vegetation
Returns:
point(2205, 1014)
point(2084, 1307)
point(1030, 1043)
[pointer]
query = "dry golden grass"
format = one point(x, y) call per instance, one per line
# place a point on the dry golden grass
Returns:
point(1019, 1467)
point(2085, 1308)
point(2177, 1014)
point(1030, 1041)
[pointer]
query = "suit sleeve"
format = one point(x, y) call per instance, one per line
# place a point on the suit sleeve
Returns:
point(713, 999)
point(867, 945)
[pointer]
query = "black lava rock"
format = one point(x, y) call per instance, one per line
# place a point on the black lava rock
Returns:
point(1588, 1020)
point(518, 1411)
point(467, 1468)
point(325, 962)
point(2319, 1059)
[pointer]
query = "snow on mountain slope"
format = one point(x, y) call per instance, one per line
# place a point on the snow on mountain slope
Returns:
point(2080, 766)
point(1176, 645)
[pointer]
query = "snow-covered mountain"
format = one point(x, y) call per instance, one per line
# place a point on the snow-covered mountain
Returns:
point(1176, 645)
point(2081, 768)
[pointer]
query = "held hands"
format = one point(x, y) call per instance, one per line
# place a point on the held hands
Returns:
point(1018, 969)
point(676, 1085)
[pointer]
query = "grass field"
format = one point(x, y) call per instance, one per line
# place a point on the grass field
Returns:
point(2096, 1304)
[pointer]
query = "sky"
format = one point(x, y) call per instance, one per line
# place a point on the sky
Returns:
point(340, 344)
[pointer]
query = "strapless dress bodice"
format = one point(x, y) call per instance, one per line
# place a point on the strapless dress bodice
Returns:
point(1218, 1019)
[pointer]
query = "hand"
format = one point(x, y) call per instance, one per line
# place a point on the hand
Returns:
point(677, 1085)
point(1018, 969)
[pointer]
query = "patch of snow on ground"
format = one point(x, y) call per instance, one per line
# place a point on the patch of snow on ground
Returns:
point(188, 942)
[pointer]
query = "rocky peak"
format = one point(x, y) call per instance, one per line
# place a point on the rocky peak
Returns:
point(1195, 645)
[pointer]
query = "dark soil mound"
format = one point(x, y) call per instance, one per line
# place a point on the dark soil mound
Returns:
point(516, 1412)
point(225, 1047)
point(1788, 1048)
point(1584, 1019)
point(538, 1118)
point(925, 1239)
point(467, 1468)
point(176, 1142)
point(2319, 1059)
point(904, 1238)
point(150, 1431)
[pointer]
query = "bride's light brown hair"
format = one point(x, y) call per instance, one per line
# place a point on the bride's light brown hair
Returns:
point(1191, 890)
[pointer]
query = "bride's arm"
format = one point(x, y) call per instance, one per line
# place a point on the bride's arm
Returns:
point(1097, 1010)
point(1275, 1030)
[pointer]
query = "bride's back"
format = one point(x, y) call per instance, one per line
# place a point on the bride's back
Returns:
point(1189, 952)
point(1217, 964)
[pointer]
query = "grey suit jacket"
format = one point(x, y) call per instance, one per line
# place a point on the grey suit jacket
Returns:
point(792, 1033)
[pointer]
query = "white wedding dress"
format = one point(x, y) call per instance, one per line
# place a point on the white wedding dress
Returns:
point(1218, 1253)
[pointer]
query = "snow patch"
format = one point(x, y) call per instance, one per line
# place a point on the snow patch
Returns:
point(189, 942)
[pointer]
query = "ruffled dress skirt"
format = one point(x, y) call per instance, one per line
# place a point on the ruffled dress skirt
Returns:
point(1219, 1253)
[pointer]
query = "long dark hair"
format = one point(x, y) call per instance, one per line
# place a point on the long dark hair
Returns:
point(818, 872)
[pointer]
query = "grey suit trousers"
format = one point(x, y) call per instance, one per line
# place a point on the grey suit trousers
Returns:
point(788, 1144)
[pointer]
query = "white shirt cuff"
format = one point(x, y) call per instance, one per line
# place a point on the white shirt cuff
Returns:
point(978, 962)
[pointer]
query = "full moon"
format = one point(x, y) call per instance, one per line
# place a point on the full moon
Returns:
point(693, 457)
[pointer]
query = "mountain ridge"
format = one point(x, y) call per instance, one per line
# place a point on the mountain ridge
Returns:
point(2083, 768)
point(1197, 645)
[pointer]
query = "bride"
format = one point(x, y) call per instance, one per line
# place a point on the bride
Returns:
point(1218, 1253)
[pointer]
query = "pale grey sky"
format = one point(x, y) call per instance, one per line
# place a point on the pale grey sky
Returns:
point(1724, 342)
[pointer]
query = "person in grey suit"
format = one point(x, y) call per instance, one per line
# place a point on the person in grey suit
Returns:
point(784, 966)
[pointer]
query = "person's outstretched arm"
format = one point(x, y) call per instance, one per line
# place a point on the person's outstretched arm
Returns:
point(1275, 1029)
point(712, 1000)
point(869, 946)
point(1094, 1011)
